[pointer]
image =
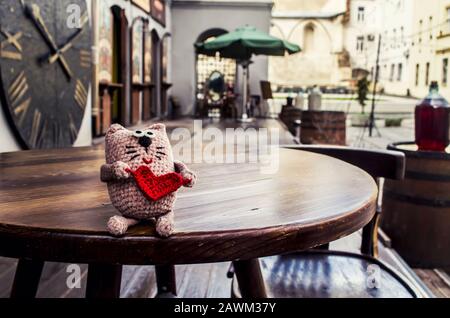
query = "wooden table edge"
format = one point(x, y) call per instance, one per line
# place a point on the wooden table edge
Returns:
point(186, 248)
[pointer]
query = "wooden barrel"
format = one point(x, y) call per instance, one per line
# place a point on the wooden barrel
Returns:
point(323, 127)
point(288, 115)
point(416, 211)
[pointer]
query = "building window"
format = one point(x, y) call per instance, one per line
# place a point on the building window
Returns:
point(400, 71)
point(207, 65)
point(391, 76)
point(444, 71)
point(431, 28)
point(394, 38)
point(360, 44)
point(308, 42)
point(420, 31)
point(402, 35)
point(427, 74)
point(417, 74)
point(361, 13)
point(448, 20)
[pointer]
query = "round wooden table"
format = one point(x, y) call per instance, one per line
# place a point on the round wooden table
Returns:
point(53, 207)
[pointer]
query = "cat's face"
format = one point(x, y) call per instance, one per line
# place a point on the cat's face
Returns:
point(143, 146)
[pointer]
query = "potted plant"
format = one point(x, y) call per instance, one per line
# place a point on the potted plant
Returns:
point(362, 91)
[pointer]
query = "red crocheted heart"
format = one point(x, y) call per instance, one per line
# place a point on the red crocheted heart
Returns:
point(156, 187)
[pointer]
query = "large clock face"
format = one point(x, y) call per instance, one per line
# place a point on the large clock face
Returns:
point(45, 69)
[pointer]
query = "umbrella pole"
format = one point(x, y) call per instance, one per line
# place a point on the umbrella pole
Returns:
point(244, 118)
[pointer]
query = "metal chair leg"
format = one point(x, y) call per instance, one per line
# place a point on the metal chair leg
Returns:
point(166, 280)
point(250, 279)
point(26, 279)
point(103, 281)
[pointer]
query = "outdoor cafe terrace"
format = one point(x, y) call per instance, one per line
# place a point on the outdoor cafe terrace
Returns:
point(224, 149)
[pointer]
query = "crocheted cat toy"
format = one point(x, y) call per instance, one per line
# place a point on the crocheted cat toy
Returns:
point(142, 177)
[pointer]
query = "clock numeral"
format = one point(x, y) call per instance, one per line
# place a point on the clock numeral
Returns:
point(18, 88)
point(10, 55)
point(35, 127)
point(41, 135)
point(56, 134)
point(80, 94)
point(16, 91)
point(85, 58)
point(73, 130)
point(22, 109)
point(14, 41)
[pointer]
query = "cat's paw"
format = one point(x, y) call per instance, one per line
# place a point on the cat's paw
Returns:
point(117, 225)
point(164, 226)
point(121, 170)
point(189, 178)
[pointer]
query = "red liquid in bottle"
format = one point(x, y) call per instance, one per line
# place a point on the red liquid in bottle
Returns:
point(432, 118)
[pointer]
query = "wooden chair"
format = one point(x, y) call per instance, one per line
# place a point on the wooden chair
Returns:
point(267, 97)
point(325, 273)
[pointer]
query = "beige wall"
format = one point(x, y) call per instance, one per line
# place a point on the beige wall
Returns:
point(308, 5)
point(424, 46)
point(366, 28)
point(395, 28)
point(443, 48)
point(317, 64)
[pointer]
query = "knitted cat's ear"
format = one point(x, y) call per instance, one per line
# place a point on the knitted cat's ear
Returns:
point(113, 128)
point(159, 127)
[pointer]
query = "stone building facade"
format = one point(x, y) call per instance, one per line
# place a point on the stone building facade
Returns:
point(319, 28)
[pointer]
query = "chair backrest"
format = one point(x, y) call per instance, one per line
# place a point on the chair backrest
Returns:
point(266, 90)
point(378, 163)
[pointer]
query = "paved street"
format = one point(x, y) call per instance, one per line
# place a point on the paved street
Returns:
point(389, 106)
point(359, 137)
point(386, 107)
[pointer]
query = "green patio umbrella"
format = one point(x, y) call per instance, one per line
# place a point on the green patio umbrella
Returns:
point(241, 45)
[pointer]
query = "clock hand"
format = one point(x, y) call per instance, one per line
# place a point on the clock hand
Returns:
point(35, 15)
point(53, 57)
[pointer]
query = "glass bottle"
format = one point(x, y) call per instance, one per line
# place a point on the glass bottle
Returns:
point(432, 117)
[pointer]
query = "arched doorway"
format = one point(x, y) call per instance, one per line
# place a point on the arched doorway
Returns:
point(140, 71)
point(205, 66)
point(165, 84)
point(113, 35)
point(308, 38)
point(149, 83)
point(155, 43)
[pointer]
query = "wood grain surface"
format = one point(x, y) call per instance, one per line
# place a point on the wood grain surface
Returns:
point(54, 199)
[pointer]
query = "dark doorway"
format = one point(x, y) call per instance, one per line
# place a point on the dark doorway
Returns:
point(137, 68)
point(119, 112)
point(207, 66)
point(165, 84)
point(111, 70)
point(155, 73)
point(149, 83)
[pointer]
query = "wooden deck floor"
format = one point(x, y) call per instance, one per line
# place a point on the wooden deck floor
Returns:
point(193, 281)
point(437, 280)
point(204, 280)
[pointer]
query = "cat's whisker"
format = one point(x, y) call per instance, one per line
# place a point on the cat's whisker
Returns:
point(159, 147)
point(130, 146)
point(131, 151)
point(159, 158)
point(161, 153)
point(135, 156)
